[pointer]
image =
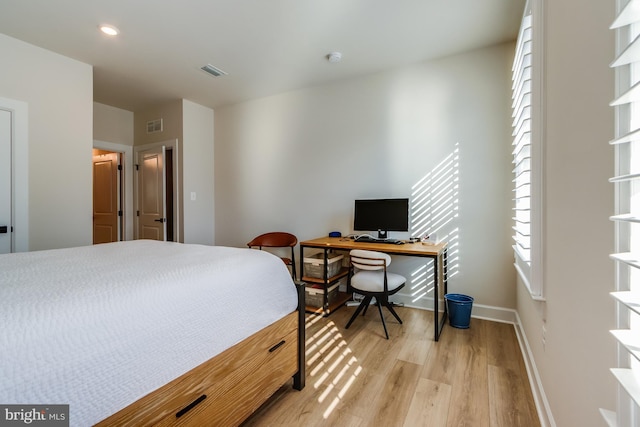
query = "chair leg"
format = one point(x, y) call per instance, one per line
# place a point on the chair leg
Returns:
point(358, 310)
point(384, 325)
point(390, 307)
point(368, 301)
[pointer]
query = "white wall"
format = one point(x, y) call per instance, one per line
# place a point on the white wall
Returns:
point(59, 94)
point(574, 363)
point(296, 161)
point(198, 173)
point(112, 124)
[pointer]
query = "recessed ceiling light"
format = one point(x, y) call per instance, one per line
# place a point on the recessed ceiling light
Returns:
point(334, 57)
point(109, 30)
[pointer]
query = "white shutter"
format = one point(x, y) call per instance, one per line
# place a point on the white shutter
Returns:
point(627, 217)
point(521, 105)
point(526, 142)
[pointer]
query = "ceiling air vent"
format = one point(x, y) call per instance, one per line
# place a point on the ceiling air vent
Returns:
point(154, 126)
point(216, 72)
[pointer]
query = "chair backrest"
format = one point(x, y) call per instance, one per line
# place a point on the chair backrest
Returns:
point(276, 239)
point(369, 260)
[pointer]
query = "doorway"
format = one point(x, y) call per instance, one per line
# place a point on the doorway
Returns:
point(14, 166)
point(108, 192)
point(157, 191)
point(6, 222)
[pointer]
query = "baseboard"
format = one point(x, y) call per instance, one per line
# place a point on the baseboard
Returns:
point(495, 314)
point(539, 396)
point(478, 311)
point(504, 315)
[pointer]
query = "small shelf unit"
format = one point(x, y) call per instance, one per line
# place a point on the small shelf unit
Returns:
point(339, 301)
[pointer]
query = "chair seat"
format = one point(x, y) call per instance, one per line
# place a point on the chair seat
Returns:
point(373, 281)
point(367, 276)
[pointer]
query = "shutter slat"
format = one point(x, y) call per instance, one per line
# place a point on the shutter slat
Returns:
point(634, 135)
point(625, 218)
point(629, 55)
point(633, 94)
point(523, 254)
point(629, 340)
point(623, 178)
point(627, 379)
point(628, 15)
point(628, 258)
point(629, 299)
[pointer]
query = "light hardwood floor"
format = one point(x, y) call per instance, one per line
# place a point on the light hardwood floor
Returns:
point(355, 377)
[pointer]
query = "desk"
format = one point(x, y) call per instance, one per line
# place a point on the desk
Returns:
point(436, 252)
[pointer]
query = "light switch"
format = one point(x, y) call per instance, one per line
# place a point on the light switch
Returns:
point(193, 195)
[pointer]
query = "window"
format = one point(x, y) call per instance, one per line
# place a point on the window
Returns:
point(527, 150)
point(627, 218)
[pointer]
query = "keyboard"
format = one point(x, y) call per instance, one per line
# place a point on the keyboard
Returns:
point(368, 239)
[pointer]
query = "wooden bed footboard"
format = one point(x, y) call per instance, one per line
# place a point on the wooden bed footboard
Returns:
point(228, 388)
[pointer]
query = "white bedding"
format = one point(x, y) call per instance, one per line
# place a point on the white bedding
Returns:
point(98, 327)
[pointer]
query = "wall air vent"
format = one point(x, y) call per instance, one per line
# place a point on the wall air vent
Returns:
point(154, 126)
point(216, 72)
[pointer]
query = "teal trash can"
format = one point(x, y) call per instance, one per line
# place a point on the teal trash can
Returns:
point(459, 307)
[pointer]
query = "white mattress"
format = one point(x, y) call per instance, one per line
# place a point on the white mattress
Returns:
point(98, 327)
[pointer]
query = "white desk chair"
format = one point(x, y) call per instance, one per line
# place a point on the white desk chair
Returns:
point(368, 276)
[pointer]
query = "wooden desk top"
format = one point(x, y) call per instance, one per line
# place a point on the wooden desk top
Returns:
point(414, 249)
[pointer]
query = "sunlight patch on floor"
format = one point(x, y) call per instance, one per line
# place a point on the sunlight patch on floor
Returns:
point(331, 363)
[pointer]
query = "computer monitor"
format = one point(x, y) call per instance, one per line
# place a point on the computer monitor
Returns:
point(382, 215)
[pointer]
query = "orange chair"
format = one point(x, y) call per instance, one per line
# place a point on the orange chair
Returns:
point(278, 239)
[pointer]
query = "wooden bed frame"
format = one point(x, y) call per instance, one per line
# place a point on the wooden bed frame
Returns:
point(229, 387)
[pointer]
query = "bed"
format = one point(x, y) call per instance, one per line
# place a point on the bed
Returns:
point(149, 333)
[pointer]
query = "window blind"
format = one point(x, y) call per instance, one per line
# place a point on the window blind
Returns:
point(627, 209)
point(521, 106)
point(525, 123)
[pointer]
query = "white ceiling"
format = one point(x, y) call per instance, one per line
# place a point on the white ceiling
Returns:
point(266, 46)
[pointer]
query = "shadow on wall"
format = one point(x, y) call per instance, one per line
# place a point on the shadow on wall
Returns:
point(434, 211)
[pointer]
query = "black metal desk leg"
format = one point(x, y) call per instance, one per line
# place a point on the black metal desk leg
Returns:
point(301, 263)
point(436, 299)
point(299, 378)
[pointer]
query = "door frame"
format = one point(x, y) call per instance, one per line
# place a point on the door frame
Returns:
point(126, 152)
point(19, 172)
point(177, 174)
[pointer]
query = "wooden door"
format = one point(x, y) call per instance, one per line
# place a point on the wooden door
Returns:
point(151, 194)
point(105, 197)
point(5, 181)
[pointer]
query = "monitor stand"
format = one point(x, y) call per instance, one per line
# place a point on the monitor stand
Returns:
point(382, 234)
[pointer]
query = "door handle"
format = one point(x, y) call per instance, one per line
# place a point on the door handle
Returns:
point(160, 220)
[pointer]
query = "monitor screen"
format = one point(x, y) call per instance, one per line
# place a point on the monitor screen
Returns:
point(382, 215)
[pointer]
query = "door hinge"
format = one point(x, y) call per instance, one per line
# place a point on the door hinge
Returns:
point(119, 167)
point(137, 167)
point(119, 213)
point(137, 213)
